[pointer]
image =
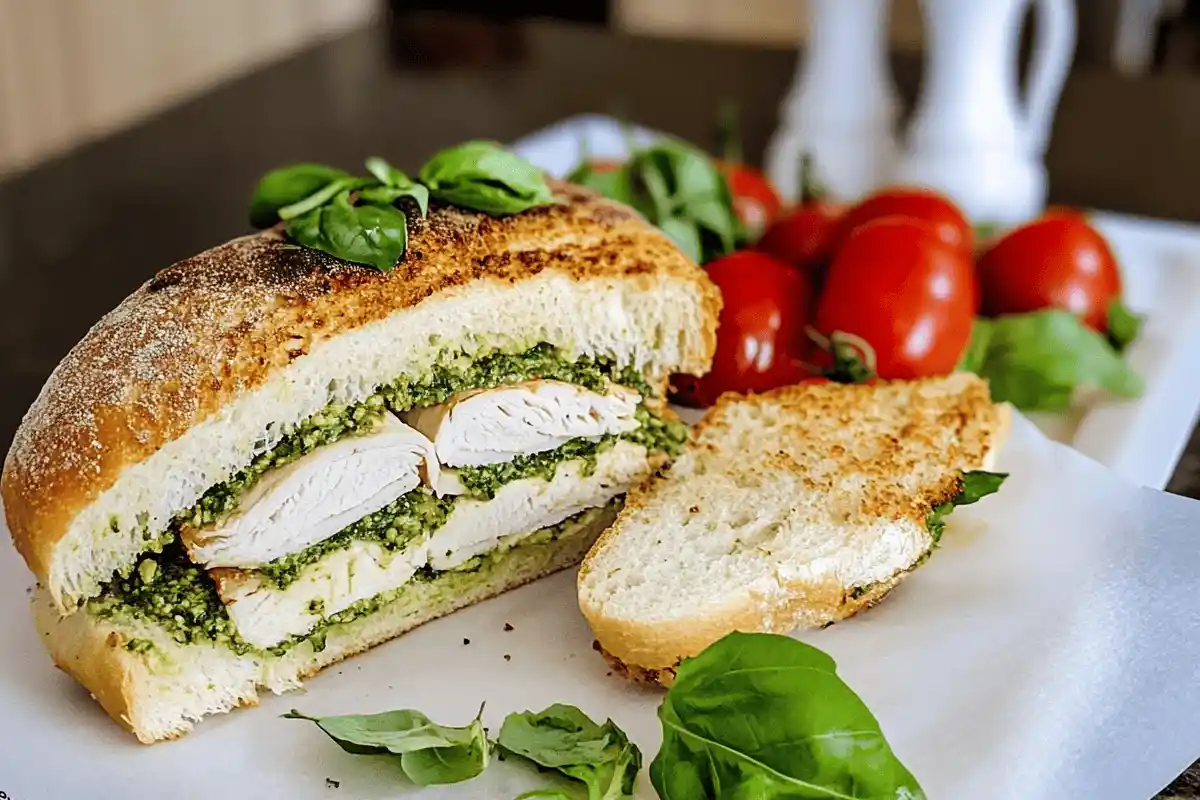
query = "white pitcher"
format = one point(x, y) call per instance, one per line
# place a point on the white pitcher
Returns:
point(972, 137)
point(841, 108)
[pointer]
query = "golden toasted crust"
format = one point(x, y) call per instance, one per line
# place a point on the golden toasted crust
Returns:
point(215, 326)
point(886, 432)
point(850, 603)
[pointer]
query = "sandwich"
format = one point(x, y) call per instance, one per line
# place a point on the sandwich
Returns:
point(791, 509)
point(267, 459)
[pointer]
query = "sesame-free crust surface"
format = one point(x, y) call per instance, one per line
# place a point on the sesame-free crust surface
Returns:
point(215, 326)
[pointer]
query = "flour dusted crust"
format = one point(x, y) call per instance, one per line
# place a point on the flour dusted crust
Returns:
point(171, 392)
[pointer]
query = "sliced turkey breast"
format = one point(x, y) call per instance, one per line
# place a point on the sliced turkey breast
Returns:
point(309, 500)
point(476, 526)
point(265, 614)
point(496, 425)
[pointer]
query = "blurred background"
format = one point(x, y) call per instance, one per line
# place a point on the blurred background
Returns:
point(73, 70)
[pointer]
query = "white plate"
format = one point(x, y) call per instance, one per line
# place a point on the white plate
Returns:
point(1160, 262)
point(1051, 649)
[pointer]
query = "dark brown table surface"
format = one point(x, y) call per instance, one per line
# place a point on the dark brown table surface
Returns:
point(79, 233)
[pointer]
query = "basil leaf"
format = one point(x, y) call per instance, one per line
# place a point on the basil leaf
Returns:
point(1123, 325)
point(565, 739)
point(974, 357)
point(548, 794)
point(766, 716)
point(485, 177)
point(386, 174)
point(429, 753)
point(283, 187)
point(615, 184)
point(387, 195)
point(976, 485)
point(322, 196)
point(366, 234)
point(1035, 361)
point(683, 232)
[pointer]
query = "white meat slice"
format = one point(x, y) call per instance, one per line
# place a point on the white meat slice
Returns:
point(311, 499)
point(475, 527)
point(266, 615)
point(496, 425)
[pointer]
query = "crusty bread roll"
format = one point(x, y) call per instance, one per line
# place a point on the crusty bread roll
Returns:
point(210, 361)
point(791, 509)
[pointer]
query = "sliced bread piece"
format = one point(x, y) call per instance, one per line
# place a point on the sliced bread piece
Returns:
point(791, 509)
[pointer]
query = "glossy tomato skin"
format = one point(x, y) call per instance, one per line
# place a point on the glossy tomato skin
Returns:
point(761, 339)
point(947, 219)
point(1058, 261)
point(755, 200)
point(911, 295)
point(803, 237)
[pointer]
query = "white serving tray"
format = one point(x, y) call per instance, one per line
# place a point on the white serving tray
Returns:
point(1160, 262)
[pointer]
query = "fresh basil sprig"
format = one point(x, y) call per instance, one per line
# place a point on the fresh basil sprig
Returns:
point(485, 177)
point(326, 209)
point(976, 485)
point(429, 753)
point(1124, 326)
point(1035, 361)
point(565, 739)
point(766, 716)
point(677, 188)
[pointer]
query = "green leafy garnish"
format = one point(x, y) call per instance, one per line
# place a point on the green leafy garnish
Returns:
point(429, 753)
point(565, 739)
point(976, 485)
point(375, 235)
point(766, 716)
point(483, 176)
point(1035, 361)
point(288, 186)
point(1123, 325)
point(677, 188)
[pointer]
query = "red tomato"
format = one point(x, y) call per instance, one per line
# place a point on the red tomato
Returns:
point(947, 219)
point(761, 340)
point(804, 237)
point(1058, 261)
point(899, 286)
point(754, 199)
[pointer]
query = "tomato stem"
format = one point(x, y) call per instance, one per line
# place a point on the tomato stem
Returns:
point(811, 188)
point(729, 137)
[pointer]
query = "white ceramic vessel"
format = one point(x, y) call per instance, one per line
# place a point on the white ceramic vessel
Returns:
point(841, 109)
point(974, 137)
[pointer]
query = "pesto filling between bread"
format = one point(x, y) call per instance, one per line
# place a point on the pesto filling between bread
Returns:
point(176, 596)
point(451, 375)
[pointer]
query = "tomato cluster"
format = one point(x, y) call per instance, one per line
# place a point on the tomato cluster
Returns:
point(897, 272)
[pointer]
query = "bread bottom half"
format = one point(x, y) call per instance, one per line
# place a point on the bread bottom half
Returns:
point(161, 692)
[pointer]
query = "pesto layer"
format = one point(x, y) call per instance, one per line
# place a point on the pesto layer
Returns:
point(395, 525)
point(451, 375)
point(179, 598)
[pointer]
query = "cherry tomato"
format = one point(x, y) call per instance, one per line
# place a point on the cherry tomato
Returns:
point(1058, 261)
point(947, 219)
point(761, 340)
point(903, 289)
point(804, 237)
point(755, 201)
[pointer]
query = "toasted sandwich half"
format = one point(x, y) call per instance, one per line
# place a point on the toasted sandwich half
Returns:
point(266, 459)
point(791, 509)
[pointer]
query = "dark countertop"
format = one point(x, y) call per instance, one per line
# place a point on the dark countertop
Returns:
point(79, 233)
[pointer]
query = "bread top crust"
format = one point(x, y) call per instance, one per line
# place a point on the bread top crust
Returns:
point(910, 442)
point(215, 326)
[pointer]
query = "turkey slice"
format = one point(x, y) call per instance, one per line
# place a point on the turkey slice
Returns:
point(496, 425)
point(266, 615)
point(309, 500)
point(475, 526)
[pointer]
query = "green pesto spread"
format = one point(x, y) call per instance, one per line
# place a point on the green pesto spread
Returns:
point(181, 600)
point(395, 525)
point(450, 376)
